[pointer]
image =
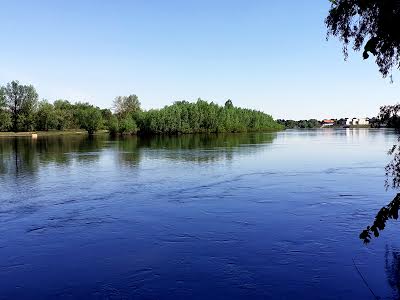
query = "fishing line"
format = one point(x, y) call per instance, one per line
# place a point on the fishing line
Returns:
point(365, 282)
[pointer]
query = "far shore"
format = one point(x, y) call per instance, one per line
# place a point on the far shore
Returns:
point(71, 132)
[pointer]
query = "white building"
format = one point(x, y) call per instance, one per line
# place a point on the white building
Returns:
point(363, 121)
point(355, 121)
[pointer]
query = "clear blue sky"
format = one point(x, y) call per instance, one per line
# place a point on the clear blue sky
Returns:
point(267, 55)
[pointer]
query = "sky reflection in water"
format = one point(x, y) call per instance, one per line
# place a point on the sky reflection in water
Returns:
point(240, 216)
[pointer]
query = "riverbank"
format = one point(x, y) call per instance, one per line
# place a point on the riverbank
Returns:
point(100, 132)
point(48, 133)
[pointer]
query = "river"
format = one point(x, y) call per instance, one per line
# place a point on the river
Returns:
point(239, 216)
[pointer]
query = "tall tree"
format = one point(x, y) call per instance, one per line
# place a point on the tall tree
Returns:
point(21, 101)
point(126, 105)
point(371, 25)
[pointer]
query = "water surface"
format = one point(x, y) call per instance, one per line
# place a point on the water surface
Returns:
point(241, 216)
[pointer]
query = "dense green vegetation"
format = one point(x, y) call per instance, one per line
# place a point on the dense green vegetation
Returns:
point(290, 124)
point(201, 116)
point(20, 110)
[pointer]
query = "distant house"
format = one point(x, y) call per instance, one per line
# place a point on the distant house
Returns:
point(359, 121)
point(363, 121)
point(327, 122)
point(346, 122)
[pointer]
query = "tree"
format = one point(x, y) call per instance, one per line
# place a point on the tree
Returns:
point(312, 123)
point(64, 111)
point(46, 117)
point(113, 127)
point(90, 119)
point(389, 115)
point(124, 105)
point(21, 101)
point(127, 126)
point(3, 103)
point(228, 103)
point(5, 119)
point(373, 25)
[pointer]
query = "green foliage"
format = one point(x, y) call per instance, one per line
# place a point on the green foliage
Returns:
point(21, 101)
point(290, 124)
point(89, 118)
point(106, 115)
point(5, 117)
point(3, 102)
point(46, 117)
point(113, 126)
point(20, 109)
point(228, 103)
point(127, 125)
point(64, 111)
point(201, 116)
point(126, 105)
point(373, 24)
point(5, 120)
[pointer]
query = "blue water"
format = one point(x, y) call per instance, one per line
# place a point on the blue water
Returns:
point(246, 216)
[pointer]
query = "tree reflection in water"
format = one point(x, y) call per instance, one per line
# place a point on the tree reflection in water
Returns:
point(22, 156)
point(392, 269)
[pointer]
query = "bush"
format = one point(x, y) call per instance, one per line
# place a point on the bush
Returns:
point(90, 119)
point(127, 126)
point(113, 127)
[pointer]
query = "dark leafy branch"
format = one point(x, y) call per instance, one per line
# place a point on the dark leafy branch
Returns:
point(388, 116)
point(368, 25)
point(390, 211)
point(373, 26)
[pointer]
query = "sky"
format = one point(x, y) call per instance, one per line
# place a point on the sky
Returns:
point(267, 55)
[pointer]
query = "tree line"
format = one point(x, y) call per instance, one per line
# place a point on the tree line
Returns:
point(291, 124)
point(21, 110)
